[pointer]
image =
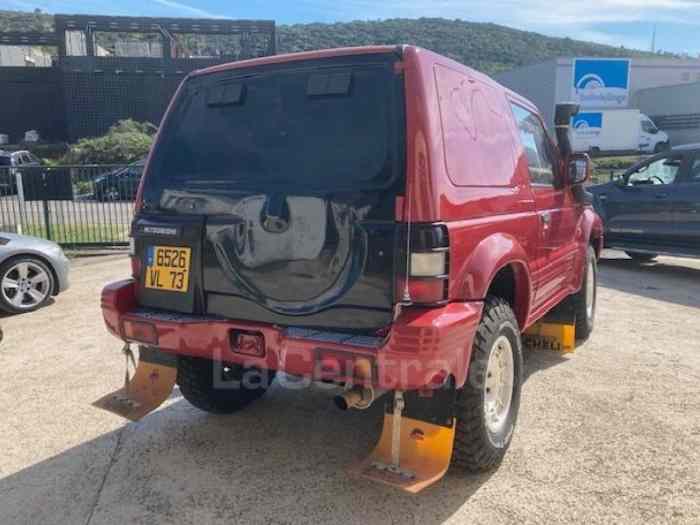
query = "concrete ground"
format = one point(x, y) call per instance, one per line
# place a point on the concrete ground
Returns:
point(608, 434)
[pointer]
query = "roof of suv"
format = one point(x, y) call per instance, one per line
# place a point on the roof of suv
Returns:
point(348, 51)
point(291, 57)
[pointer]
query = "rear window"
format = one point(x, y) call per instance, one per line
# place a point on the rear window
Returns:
point(300, 127)
point(477, 140)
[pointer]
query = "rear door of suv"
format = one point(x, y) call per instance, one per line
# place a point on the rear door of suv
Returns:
point(274, 189)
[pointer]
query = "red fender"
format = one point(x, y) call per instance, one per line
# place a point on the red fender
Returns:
point(473, 279)
point(589, 231)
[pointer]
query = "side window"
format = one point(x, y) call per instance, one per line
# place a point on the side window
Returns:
point(694, 174)
point(476, 130)
point(537, 149)
point(661, 171)
point(648, 126)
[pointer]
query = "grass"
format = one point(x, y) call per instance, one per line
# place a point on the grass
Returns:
point(603, 167)
point(622, 162)
point(80, 233)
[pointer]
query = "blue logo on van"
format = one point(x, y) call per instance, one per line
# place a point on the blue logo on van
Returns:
point(588, 120)
point(601, 82)
point(587, 126)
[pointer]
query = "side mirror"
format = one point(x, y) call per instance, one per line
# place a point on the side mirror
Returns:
point(579, 169)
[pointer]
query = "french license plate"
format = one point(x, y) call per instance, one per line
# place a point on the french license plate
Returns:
point(168, 268)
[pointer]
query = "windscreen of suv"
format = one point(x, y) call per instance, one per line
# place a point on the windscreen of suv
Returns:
point(291, 128)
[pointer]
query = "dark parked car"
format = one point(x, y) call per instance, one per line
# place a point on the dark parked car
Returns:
point(654, 208)
point(10, 161)
point(120, 184)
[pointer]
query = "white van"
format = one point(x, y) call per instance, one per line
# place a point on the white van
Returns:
point(616, 131)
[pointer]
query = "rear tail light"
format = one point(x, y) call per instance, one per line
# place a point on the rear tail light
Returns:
point(423, 291)
point(423, 276)
point(140, 331)
point(428, 264)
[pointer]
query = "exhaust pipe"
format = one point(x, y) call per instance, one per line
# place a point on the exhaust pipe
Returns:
point(358, 397)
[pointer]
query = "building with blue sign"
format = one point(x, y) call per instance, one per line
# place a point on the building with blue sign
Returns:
point(668, 90)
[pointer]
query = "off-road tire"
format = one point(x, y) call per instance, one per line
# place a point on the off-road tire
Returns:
point(476, 448)
point(642, 257)
point(195, 377)
point(585, 320)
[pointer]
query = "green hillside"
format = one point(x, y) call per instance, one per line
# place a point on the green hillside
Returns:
point(21, 21)
point(488, 47)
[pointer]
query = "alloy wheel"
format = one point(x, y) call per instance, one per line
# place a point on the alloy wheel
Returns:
point(25, 285)
point(498, 394)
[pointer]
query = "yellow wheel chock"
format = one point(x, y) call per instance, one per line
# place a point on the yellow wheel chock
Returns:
point(551, 336)
point(556, 331)
point(411, 453)
point(150, 386)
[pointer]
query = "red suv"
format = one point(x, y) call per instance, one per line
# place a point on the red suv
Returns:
point(382, 218)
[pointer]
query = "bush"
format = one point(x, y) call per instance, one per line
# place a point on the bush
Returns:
point(605, 168)
point(126, 141)
point(615, 163)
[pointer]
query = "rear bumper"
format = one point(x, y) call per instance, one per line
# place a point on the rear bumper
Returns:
point(424, 346)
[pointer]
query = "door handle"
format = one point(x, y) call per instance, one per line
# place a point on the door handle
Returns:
point(546, 218)
point(661, 196)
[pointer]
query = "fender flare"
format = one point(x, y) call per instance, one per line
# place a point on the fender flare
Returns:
point(588, 232)
point(591, 228)
point(491, 255)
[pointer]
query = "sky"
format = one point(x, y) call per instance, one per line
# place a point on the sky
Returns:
point(615, 22)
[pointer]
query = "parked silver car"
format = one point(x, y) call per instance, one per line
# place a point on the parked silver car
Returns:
point(32, 270)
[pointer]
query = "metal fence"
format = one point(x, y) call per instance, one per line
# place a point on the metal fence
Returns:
point(76, 206)
point(84, 206)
